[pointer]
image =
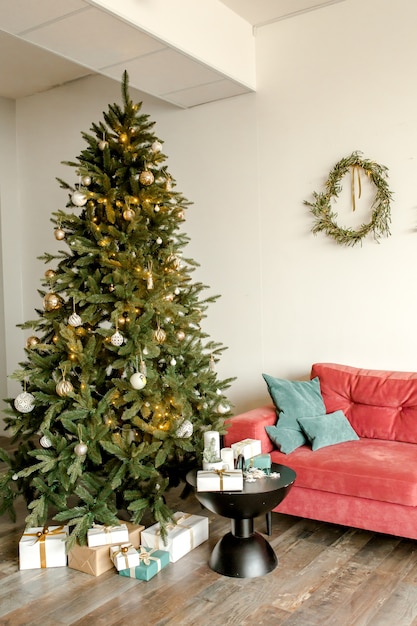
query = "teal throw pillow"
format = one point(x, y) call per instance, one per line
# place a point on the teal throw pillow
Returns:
point(327, 430)
point(285, 439)
point(294, 399)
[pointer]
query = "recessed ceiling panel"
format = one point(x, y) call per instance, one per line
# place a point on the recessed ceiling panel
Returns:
point(205, 93)
point(17, 16)
point(94, 38)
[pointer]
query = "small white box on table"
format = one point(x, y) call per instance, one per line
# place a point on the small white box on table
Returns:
point(219, 480)
point(247, 448)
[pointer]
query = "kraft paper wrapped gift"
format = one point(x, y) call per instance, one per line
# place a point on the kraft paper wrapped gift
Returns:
point(151, 562)
point(124, 556)
point(219, 480)
point(42, 547)
point(188, 532)
point(96, 561)
point(260, 461)
point(100, 535)
point(246, 448)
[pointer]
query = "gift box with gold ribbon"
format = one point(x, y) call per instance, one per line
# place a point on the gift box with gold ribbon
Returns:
point(246, 448)
point(96, 561)
point(151, 562)
point(124, 556)
point(100, 535)
point(185, 534)
point(219, 480)
point(42, 547)
point(259, 461)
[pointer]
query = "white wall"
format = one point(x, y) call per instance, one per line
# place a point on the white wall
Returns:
point(329, 82)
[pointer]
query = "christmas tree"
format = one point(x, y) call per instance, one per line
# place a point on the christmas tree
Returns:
point(119, 382)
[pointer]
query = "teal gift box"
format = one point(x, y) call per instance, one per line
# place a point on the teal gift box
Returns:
point(151, 561)
point(260, 461)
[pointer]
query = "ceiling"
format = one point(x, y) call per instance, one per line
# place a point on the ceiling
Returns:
point(49, 43)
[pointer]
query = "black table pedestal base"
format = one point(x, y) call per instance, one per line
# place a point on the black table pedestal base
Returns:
point(243, 557)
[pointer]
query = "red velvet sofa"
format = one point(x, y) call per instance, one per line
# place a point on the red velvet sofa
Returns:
point(370, 483)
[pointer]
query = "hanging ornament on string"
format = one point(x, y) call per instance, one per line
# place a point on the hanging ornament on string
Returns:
point(212, 364)
point(146, 177)
point(156, 146)
point(86, 180)
point(128, 213)
point(117, 338)
point(222, 408)
point(103, 144)
point(32, 341)
point(52, 301)
point(74, 319)
point(160, 335)
point(185, 429)
point(79, 198)
point(80, 448)
point(138, 380)
point(64, 387)
point(24, 402)
point(149, 277)
point(45, 442)
point(59, 233)
point(142, 366)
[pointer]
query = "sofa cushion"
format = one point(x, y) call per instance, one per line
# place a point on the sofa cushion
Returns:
point(369, 468)
point(327, 430)
point(285, 439)
point(378, 404)
point(293, 399)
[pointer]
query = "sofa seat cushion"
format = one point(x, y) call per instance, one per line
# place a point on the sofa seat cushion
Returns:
point(369, 468)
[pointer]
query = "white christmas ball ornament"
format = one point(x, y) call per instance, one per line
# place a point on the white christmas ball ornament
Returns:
point(185, 429)
point(156, 146)
point(81, 449)
point(223, 408)
point(78, 198)
point(45, 442)
point(24, 402)
point(75, 320)
point(138, 380)
point(116, 339)
point(86, 180)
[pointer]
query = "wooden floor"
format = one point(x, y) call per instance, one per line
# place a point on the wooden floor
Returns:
point(326, 575)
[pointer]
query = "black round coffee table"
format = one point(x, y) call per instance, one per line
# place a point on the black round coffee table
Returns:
point(243, 553)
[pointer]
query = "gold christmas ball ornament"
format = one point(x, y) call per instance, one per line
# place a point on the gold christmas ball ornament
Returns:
point(160, 335)
point(146, 177)
point(50, 273)
point(63, 388)
point(32, 341)
point(59, 234)
point(86, 180)
point(79, 198)
point(52, 302)
point(128, 215)
point(75, 320)
point(24, 402)
point(55, 339)
point(80, 331)
point(138, 380)
point(181, 335)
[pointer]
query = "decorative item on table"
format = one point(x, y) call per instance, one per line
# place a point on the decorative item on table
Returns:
point(254, 473)
point(226, 455)
point(260, 461)
point(186, 533)
point(220, 480)
point(124, 556)
point(211, 452)
point(100, 535)
point(96, 561)
point(247, 448)
point(42, 547)
point(151, 561)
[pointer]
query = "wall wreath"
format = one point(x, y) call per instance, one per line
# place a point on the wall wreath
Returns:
point(325, 217)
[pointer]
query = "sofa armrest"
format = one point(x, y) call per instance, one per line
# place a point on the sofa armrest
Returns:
point(251, 425)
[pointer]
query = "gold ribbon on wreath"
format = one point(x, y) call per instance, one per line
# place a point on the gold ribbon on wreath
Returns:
point(41, 536)
point(356, 169)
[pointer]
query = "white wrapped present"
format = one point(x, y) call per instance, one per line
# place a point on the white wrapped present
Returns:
point(124, 556)
point(100, 535)
point(247, 448)
point(219, 480)
point(182, 537)
point(42, 547)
